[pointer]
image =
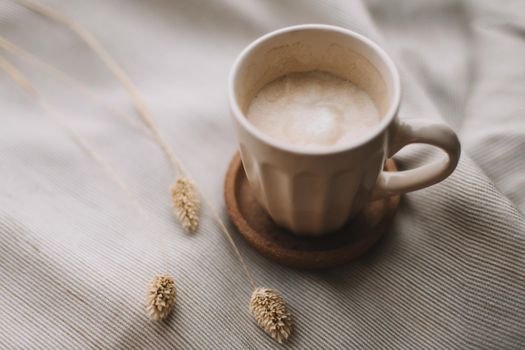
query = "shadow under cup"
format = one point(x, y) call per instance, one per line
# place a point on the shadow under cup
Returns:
point(312, 192)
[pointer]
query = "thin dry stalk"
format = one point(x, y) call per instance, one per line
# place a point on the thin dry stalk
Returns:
point(115, 68)
point(189, 225)
point(82, 88)
point(25, 84)
point(122, 76)
point(161, 296)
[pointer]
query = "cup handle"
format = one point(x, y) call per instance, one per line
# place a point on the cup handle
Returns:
point(419, 131)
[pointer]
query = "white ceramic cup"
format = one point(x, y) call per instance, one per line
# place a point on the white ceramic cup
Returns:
point(314, 192)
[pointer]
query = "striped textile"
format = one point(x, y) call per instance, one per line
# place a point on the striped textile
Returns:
point(76, 256)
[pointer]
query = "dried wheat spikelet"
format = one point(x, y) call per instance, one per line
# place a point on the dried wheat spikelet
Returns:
point(186, 203)
point(270, 313)
point(161, 297)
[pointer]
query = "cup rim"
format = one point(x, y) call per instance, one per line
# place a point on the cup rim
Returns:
point(388, 117)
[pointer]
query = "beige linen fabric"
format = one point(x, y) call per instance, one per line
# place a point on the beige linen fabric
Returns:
point(76, 257)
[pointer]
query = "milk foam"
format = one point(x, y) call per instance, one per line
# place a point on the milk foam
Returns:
point(313, 109)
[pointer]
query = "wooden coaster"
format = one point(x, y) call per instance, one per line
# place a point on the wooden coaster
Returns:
point(280, 245)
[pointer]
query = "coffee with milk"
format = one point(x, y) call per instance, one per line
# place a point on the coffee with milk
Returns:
point(313, 110)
